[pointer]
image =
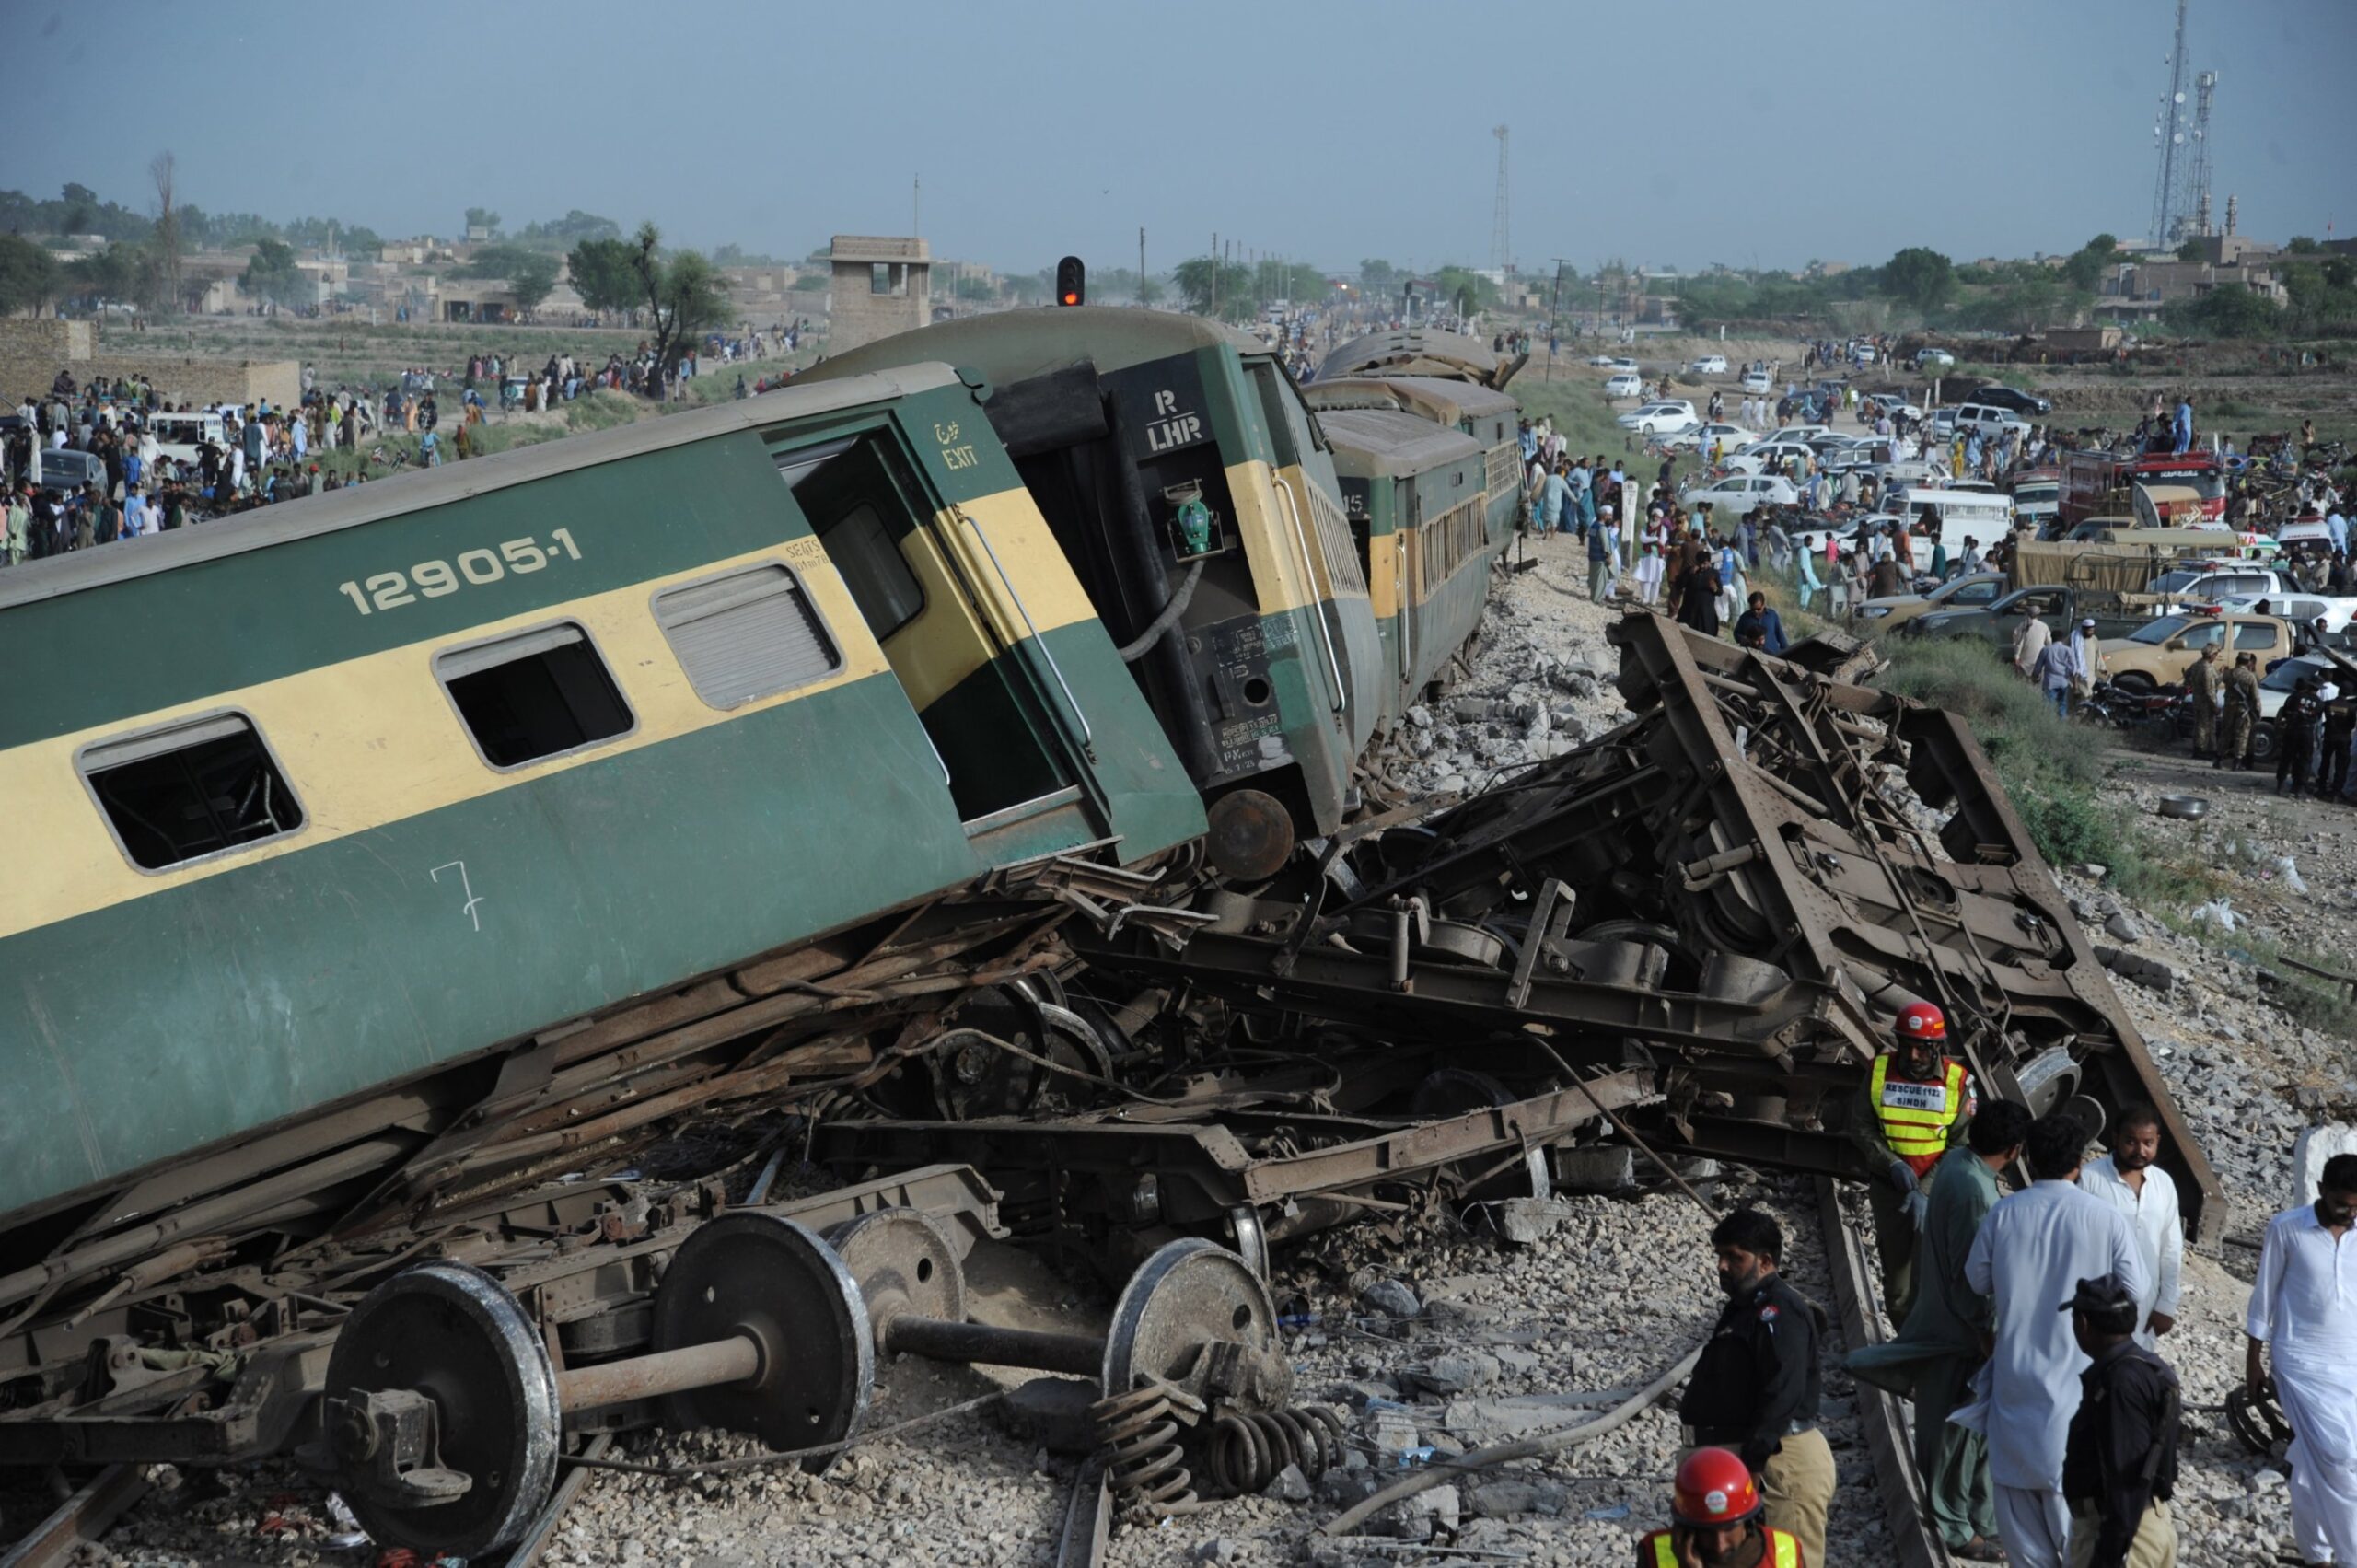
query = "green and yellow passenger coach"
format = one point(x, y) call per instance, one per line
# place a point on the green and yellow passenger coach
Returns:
point(1418, 503)
point(1190, 488)
point(1485, 415)
point(357, 786)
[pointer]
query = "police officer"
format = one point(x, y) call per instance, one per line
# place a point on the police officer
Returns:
point(1913, 1109)
point(1755, 1390)
point(1715, 1511)
point(2242, 713)
point(2120, 1460)
point(2201, 690)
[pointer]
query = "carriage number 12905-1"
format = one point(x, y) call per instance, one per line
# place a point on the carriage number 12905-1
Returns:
point(390, 590)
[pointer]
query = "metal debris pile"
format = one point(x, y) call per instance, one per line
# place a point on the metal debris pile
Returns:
point(1674, 944)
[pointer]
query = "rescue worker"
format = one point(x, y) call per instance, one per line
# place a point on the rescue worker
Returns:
point(2296, 737)
point(1936, 1352)
point(1756, 1388)
point(2202, 687)
point(2120, 1460)
point(1914, 1108)
point(2241, 713)
point(1715, 1511)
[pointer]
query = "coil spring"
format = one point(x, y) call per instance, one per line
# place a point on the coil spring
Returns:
point(1248, 1452)
point(1145, 1463)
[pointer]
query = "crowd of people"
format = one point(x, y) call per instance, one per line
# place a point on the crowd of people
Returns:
point(2029, 1328)
point(152, 470)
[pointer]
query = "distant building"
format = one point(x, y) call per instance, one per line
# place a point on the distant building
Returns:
point(881, 286)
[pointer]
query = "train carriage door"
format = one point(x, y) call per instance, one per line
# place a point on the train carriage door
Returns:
point(1408, 514)
point(875, 521)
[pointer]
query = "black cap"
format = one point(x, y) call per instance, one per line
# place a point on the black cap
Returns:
point(2106, 1292)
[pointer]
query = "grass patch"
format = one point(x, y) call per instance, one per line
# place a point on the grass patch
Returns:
point(2053, 771)
point(2059, 778)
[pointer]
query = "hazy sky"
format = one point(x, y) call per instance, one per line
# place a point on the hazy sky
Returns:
point(1673, 133)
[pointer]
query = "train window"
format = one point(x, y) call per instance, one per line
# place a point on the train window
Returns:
point(190, 789)
point(878, 575)
point(747, 635)
point(534, 695)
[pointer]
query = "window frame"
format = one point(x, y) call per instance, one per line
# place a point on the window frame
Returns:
point(434, 667)
point(840, 661)
point(164, 726)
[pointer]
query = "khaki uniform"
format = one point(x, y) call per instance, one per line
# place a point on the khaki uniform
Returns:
point(2242, 713)
point(2154, 1546)
point(2201, 686)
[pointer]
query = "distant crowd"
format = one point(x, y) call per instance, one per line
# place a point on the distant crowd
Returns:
point(87, 465)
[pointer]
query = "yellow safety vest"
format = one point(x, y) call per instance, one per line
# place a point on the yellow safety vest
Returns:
point(1916, 1117)
point(1783, 1549)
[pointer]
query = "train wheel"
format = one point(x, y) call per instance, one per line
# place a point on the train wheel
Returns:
point(1191, 1294)
point(454, 1334)
point(763, 1276)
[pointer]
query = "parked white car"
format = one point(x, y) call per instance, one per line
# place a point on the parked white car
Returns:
point(1702, 436)
point(1797, 432)
point(1627, 384)
point(1738, 494)
point(2301, 607)
point(1709, 365)
point(1659, 418)
point(1761, 456)
point(1934, 359)
point(1758, 383)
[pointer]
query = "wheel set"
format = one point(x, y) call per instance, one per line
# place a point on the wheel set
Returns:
point(443, 1418)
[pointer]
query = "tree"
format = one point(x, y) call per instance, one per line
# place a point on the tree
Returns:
point(683, 295)
point(272, 275)
point(1919, 277)
point(602, 274)
point(2303, 245)
point(165, 241)
point(29, 276)
point(532, 278)
point(1202, 279)
point(80, 204)
point(482, 218)
point(1378, 277)
point(2083, 268)
point(2229, 310)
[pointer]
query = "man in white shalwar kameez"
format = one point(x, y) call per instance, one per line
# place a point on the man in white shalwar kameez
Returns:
point(2304, 1310)
point(2128, 1181)
point(2033, 1249)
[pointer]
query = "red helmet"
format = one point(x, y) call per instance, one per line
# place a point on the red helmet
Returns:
point(1714, 1487)
point(1919, 1021)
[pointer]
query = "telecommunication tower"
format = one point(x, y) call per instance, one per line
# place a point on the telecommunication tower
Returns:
point(2205, 87)
point(2182, 135)
point(1498, 255)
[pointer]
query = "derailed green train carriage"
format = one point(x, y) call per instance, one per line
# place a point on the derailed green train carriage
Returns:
point(1417, 501)
point(1197, 499)
point(433, 775)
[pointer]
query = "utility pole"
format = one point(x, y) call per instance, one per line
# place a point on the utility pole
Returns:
point(1140, 264)
point(1554, 319)
point(1214, 275)
point(1498, 251)
point(916, 206)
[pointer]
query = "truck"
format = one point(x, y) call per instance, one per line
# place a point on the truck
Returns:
point(2061, 608)
point(2094, 484)
point(2158, 653)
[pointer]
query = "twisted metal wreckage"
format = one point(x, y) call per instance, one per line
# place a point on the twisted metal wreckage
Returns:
point(1684, 937)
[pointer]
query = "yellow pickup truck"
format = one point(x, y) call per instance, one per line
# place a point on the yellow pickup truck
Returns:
point(2158, 653)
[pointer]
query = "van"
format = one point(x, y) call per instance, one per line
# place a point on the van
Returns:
point(1950, 516)
point(65, 469)
point(178, 435)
